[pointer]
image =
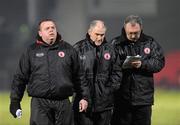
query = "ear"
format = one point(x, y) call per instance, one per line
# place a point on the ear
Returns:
point(89, 32)
point(141, 27)
point(40, 34)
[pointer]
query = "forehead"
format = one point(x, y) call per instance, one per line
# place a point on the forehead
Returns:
point(99, 30)
point(132, 27)
point(47, 23)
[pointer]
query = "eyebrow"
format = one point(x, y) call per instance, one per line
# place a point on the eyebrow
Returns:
point(100, 34)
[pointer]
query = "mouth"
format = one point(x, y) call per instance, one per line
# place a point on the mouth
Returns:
point(51, 34)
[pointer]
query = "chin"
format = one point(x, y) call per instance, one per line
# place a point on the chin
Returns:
point(52, 39)
point(51, 42)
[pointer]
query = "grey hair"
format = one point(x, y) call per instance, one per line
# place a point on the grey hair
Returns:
point(94, 24)
point(133, 19)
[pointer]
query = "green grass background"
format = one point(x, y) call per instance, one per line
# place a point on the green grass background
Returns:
point(166, 110)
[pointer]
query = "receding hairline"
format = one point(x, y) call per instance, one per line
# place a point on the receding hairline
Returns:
point(96, 23)
point(45, 20)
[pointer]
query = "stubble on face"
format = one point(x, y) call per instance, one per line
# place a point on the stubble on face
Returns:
point(133, 31)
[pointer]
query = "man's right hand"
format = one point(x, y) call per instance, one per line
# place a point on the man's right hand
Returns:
point(83, 104)
point(14, 106)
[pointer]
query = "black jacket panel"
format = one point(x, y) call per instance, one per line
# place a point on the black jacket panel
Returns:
point(47, 71)
point(137, 86)
point(101, 72)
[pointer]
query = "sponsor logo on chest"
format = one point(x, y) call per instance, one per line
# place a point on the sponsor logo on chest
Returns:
point(82, 57)
point(40, 54)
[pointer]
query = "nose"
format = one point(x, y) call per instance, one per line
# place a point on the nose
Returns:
point(133, 36)
point(99, 38)
point(51, 29)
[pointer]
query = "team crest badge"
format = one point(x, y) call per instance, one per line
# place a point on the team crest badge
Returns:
point(147, 50)
point(107, 56)
point(61, 54)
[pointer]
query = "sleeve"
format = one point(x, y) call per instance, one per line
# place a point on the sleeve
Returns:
point(20, 78)
point(116, 71)
point(81, 86)
point(156, 61)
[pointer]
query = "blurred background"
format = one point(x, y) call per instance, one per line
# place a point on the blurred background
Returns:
point(18, 28)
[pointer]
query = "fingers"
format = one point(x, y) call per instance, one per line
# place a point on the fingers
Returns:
point(81, 108)
point(83, 104)
point(14, 106)
point(19, 113)
point(136, 64)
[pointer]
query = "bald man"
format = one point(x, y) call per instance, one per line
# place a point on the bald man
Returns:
point(97, 64)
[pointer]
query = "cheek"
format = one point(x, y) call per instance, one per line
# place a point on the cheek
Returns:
point(93, 38)
point(44, 36)
point(138, 36)
point(101, 38)
point(128, 36)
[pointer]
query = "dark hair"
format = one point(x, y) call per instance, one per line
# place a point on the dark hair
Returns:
point(45, 20)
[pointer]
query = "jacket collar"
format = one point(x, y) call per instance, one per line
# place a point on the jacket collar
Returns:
point(124, 40)
point(39, 41)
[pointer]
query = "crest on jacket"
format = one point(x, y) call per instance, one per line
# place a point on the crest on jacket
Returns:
point(61, 54)
point(107, 56)
point(147, 50)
